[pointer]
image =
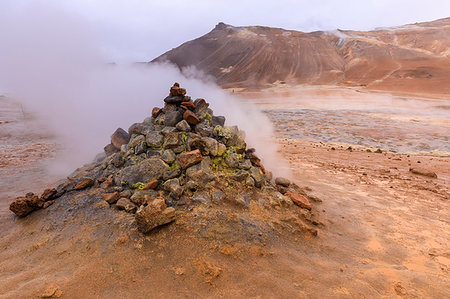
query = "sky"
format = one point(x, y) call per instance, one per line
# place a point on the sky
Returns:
point(140, 30)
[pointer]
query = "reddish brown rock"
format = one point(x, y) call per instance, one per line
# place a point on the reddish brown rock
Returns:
point(23, 206)
point(190, 117)
point(189, 105)
point(155, 214)
point(119, 137)
point(49, 194)
point(83, 184)
point(111, 198)
point(299, 200)
point(175, 90)
point(151, 185)
point(109, 182)
point(189, 158)
point(156, 112)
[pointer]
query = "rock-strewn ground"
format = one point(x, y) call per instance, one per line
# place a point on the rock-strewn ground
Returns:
point(373, 240)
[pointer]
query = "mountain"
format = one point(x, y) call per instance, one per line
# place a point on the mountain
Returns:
point(409, 58)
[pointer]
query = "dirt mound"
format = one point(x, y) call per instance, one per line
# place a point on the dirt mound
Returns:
point(410, 58)
point(182, 158)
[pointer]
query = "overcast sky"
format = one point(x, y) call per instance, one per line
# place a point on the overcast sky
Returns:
point(140, 30)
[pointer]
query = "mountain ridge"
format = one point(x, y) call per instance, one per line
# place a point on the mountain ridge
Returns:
point(413, 58)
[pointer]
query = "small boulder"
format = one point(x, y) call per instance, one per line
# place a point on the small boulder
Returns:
point(119, 137)
point(110, 149)
point(188, 159)
point(154, 139)
point(153, 215)
point(190, 117)
point(23, 206)
point(156, 111)
point(172, 118)
point(299, 200)
point(111, 198)
point(173, 186)
point(126, 204)
point(83, 184)
point(183, 126)
point(218, 121)
point(153, 184)
point(168, 156)
point(49, 194)
point(282, 182)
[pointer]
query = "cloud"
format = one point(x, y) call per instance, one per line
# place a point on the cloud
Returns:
point(53, 64)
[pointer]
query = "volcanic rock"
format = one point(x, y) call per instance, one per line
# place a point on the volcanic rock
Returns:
point(151, 185)
point(183, 126)
point(49, 194)
point(189, 158)
point(111, 198)
point(282, 182)
point(153, 215)
point(23, 206)
point(172, 118)
point(299, 200)
point(119, 137)
point(83, 184)
point(190, 117)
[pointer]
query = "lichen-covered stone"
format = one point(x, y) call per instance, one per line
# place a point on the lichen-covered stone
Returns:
point(154, 139)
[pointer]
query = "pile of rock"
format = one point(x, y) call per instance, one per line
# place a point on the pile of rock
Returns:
point(182, 155)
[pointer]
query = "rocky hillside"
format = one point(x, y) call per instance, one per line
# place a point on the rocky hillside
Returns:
point(412, 58)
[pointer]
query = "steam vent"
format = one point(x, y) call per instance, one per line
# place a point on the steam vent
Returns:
point(181, 162)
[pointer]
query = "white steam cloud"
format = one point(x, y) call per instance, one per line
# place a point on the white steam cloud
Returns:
point(51, 63)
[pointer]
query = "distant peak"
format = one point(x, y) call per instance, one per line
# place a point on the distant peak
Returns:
point(220, 26)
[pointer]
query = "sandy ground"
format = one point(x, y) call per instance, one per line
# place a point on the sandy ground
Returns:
point(383, 232)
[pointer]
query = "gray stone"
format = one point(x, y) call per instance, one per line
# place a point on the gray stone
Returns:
point(171, 118)
point(122, 203)
point(154, 139)
point(153, 153)
point(135, 129)
point(168, 156)
point(119, 137)
point(282, 182)
point(245, 164)
point(136, 140)
point(110, 149)
point(171, 140)
point(192, 185)
point(183, 126)
point(232, 160)
point(218, 121)
point(250, 182)
point(148, 121)
point(139, 197)
point(218, 196)
point(153, 215)
point(199, 174)
point(124, 148)
point(147, 170)
point(141, 148)
point(240, 176)
point(201, 197)
point(117, 160)
point(166, 130)
point(204, 129)
point(173, 173)
point(257, 175)
point(173, 186)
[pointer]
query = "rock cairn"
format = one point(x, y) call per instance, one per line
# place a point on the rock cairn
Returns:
point(182, 155)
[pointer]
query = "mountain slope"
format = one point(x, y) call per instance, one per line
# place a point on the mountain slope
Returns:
point(414, 58)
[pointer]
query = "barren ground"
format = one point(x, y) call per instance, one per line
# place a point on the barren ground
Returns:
point(383, 232)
